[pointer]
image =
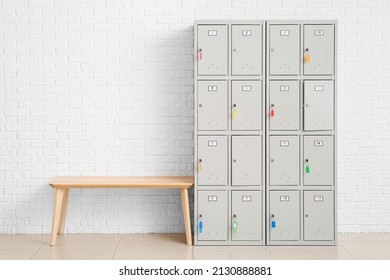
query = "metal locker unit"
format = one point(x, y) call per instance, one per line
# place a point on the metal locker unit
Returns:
point(246, 215)
point(284, 102)
point(319, 46)
point(301, 83)
point(212, 216)
point(284, 160)
point(212, 160)
point(318, 160)
point(246, 160)
point(246, 49)
point(246, 105)
point(283, 49)
point(212, 49)
point(212, 105)
point(318, 105)
point(318, 221)
point(229, 132)
point(284, 215)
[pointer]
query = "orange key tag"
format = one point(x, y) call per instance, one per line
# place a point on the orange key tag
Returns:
point(307, 58)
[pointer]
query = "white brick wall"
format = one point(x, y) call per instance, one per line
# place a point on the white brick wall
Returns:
point(105, 88)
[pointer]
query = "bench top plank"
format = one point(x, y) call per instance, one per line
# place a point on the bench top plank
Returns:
point(64, 182)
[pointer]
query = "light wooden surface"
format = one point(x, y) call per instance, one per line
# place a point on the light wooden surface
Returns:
point(64, 183)
point(123, 182)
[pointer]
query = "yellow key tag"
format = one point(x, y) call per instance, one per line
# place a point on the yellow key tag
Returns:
point(235, 114)
point(307, 58)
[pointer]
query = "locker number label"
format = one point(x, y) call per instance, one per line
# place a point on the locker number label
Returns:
point(212, 88)
point(212, 198)
point(318, 143)
point(284, 143)
point(318, 198)
point(246, 198)
point(284, 88)
point(319, 88)
point(284, 32)
point(246, 33)
point(212, 32)
point(318, 32)
point(284, 198)
point(212, 143)
point(246, 88)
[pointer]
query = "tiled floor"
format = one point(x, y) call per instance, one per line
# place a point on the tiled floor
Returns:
point(172, 246)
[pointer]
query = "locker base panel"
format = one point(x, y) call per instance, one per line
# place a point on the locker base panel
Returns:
point(301, 243)
point(229, 243)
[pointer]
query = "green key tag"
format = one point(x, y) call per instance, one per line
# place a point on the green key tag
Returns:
point(307, 169)
point(234, 227)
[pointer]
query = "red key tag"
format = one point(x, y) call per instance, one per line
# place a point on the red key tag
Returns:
point(272, 113)
point(200, 54)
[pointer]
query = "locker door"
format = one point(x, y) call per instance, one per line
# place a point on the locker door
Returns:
point(246, 215)
point(246, 49)
point(318, 160)
point(319, 45)
point(212, 160)
point(284, 49)
point(318, 110)
point(318, 222)
point(212, 50)
point(284, 101)
point(212, 215)
point(284, 160)
point(246, 160)
point(212, 105)
point(246, 102)
point(284, 216)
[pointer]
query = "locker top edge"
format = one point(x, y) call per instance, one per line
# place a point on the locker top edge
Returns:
point(305, 21)
point(217, 21)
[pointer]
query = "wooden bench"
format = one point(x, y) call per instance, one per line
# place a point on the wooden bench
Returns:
point(63, 184)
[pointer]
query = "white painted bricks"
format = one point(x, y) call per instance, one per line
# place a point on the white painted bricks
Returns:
point(106, 88)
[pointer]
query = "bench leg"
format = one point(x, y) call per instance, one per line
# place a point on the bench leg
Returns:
point(64, 206)
point(59, 194)
point(186, 214)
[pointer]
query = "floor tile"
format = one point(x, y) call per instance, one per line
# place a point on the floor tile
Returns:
point(310, 253)
point(12, 254)
point(85, 241)
point(22, 241)
point(74, 254)
point(232, 253)
point(154, 253)
point(170, 240)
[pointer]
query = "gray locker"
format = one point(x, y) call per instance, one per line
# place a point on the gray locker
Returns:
point(246, 160)
point(319, 103)
point(246, 49)
point(319, 45)
point(284, 160)
point(284, 105)
point(212, 160)
point(318, 223)
point(284, 215)
point(212, 50)
point(246, 215)
point(212, 217)
point(284, 49)
point(212, 105)
point(246, 105)
point(318, 160)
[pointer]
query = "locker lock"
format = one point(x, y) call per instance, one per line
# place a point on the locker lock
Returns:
point(234, 105)
point(272, 216)
point(234, 216)
point(200, 105)
point(307, 56)
point(200, 216)
point(200, 54)
point(306, 215)
point(272, 110)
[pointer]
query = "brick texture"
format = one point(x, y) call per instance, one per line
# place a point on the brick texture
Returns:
point(91, 87)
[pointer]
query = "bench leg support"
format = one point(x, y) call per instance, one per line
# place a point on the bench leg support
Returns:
point(64, 206)
point(58, 198)
point(186, 214)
